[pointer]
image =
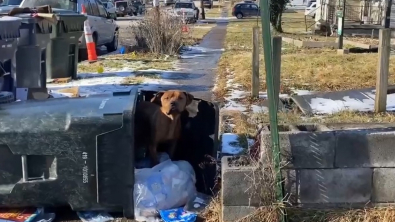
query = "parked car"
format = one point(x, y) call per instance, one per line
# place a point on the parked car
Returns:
point(188, 10)
point(311, 8)
point(138, 7)
point(208, 3)
point(245, 9)
point(169, 2)
point(124, 7)
point(104, 28)
point(110, 7)
point(7, 5)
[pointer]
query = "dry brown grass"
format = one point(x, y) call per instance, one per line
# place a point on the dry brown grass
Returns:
point(247, 124)
point(313, 70)
point(310, 69)
point(271, 214)
point(215, 12)
point(133, 80)
point(212, 212)
point(380, 214)
point(132, 61)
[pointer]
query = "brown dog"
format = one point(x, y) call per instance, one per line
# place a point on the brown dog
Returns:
point(159, 121)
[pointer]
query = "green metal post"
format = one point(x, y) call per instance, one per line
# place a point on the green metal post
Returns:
point(268, 54)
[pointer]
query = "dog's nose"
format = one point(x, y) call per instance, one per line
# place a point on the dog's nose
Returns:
point(173, 103)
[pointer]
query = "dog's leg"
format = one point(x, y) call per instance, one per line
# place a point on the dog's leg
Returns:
point(153, 155)
point(172, 149)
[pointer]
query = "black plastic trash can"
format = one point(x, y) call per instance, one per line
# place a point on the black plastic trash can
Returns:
point(62, 53)
point(80, 151)
point(68, 151)
point(30, 54)
point(9, 32)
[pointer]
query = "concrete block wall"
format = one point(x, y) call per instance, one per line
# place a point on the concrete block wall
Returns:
point(322, 166)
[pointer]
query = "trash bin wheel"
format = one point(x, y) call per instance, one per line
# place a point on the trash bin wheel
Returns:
point(113, 45)
point(6, 97)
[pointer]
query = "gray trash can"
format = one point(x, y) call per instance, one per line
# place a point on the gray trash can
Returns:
point(9, 32)
point(31, 52)
point(62, 52)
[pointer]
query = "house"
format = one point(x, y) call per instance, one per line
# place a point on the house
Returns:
point(359, 15)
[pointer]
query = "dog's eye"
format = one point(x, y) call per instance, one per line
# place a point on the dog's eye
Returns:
point(166, 98)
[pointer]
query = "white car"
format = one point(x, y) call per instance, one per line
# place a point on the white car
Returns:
point(104, 28)
point(186, 10)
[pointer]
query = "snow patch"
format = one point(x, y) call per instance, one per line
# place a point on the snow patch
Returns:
point(197, 51)
point(107, 83)
point(230, 144)
point(366, 104)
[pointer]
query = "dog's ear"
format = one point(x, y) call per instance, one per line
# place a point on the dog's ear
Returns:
point(157, 97)
point(189, 98)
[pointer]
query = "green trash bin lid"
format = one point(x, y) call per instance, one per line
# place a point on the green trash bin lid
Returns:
point(69, 21)
point(9, 27)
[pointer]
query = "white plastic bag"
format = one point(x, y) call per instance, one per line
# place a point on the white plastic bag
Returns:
point(165, 186)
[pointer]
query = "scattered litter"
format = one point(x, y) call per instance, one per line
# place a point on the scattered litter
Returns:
point(19, 215)
point(94, 216)
point(177, 215)
point(122, 50)
point(100, 69)
point(165, 186)
point(230, 144)
point(198, 204)
point(44, 217)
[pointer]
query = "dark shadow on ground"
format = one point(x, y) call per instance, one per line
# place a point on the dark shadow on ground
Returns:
point(165, 75)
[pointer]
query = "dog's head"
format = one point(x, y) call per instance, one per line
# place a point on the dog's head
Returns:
point(172, 101)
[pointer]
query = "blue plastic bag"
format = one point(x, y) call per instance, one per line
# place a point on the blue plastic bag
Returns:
point(177, 215)
point(122, 50)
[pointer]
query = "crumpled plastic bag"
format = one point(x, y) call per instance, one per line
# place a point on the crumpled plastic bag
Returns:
point(168, 185)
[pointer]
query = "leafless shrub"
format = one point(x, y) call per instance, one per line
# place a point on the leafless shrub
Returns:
point(263, 185)
point(163, 37)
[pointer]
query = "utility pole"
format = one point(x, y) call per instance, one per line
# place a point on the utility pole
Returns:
point(388, 15)
point(270, 82)
point(340, 25)
point(202, 8)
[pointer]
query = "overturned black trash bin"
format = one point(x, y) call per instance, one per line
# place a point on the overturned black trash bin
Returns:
point(80, 151)
point(74, 152)
point(9, 32)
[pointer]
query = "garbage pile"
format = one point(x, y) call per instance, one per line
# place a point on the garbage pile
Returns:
point(168, 189)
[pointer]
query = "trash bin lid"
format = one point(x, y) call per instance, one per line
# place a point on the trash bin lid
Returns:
point(43, 26)
point(70, 21)
point(9, 27)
